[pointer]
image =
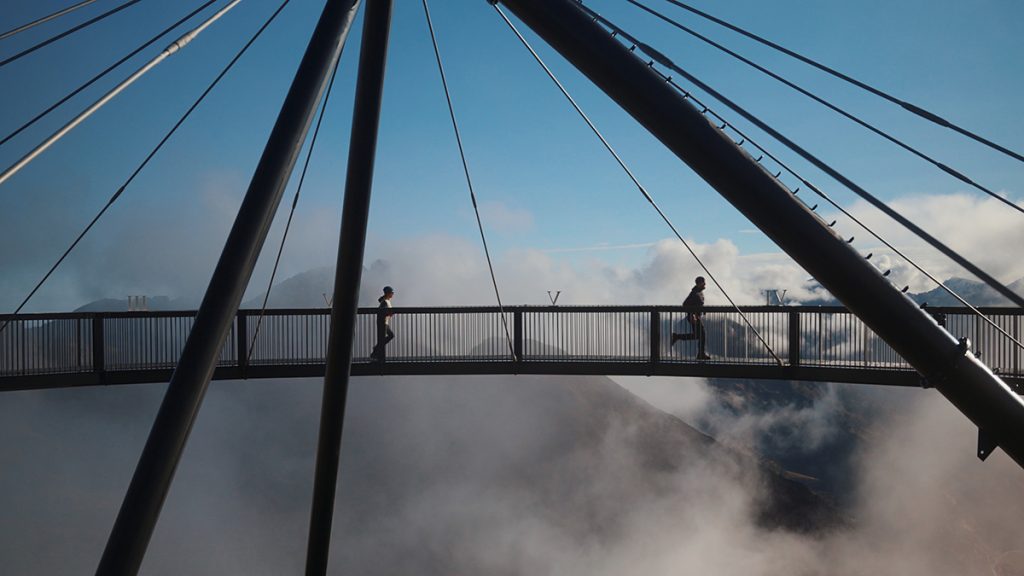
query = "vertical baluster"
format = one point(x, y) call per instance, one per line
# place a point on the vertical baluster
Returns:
point(144, 333)
point(821, 336)
point(570, 334)
point(23, 348)
point(40, 343)
point(842, 339)
point(97, 343)
point(621, 344)
point(1017, 319)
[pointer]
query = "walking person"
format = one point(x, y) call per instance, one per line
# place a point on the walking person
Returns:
point(695, 319)
point(384, 333)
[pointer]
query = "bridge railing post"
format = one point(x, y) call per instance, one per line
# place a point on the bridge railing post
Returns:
point(517, 335)
point(242, 343)
point(655, 336)
point(98, 355)
point(794, 338)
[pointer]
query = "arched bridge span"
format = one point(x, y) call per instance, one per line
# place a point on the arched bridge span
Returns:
point(814, 343)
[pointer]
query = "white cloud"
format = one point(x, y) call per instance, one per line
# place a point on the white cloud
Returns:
point(446, 270)
point(602, 247)
point(464, 452)
point(505, 219)
point(982, 229)
point(173, 255)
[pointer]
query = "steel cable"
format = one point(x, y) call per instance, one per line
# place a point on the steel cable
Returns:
point(291, 213)
point(78, 90)
point(45, 19)
point(941, 166)
point(616, 30)
point(149, 157)
point(636, 182)
point(836, 175)
point(469, 181)
point(67, 32)
point(916, 110)
point(168, 51)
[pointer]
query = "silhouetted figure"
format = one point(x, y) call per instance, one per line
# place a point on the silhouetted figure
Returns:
point(695, 319)
point(384, 333)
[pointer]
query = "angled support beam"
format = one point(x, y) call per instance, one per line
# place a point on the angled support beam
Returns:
point(947, 364)
point(160, 456)
point(348, 273)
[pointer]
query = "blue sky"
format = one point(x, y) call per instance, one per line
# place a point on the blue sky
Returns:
point(544, 180)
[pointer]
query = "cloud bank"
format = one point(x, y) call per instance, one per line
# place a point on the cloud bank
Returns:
point(486, 475)
point(441, 472)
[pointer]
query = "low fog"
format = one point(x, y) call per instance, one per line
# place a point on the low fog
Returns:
point(511, 475)
point(497, 475)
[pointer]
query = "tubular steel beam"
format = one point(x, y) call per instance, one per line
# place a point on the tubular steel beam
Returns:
point(348, 272)
point(153, 475)
point(946, 364)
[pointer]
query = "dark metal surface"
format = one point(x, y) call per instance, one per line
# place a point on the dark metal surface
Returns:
point(153, 475)
point(355, 213)
point(959, 376)
point(711, 369)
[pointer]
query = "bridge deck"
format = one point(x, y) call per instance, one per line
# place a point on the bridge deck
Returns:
point(814, 343)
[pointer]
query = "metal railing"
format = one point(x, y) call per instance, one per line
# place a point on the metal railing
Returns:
point(598, 336)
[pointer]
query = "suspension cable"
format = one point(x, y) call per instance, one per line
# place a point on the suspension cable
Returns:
point(944, 167)
point(149, 157)
point(45, 19)
point(291, 213)
point(469, 181)
point(67, 32)
point(76, 91)
point(846, 213)
point(917, 110)
point(616, 30)
point(636, 182)
point(171, 49)
point(836, 175)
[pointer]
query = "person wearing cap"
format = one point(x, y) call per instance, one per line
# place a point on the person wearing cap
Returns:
point(384, 333)
point(695, 318)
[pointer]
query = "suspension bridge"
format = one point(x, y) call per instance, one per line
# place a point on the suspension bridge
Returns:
point(816, 343)
point(973, 356)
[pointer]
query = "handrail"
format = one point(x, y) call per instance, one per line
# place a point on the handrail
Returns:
point(816, 343)
point(987, 310)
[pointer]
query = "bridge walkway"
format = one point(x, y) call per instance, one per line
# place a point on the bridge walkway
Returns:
point(814, 344)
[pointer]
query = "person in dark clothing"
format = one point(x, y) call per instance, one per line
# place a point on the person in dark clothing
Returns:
point(384, 333)
point(695, 319)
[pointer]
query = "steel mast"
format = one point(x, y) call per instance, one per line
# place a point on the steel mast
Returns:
point(945, 363)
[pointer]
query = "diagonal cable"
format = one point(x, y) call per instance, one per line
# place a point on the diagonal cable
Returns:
point(639, 186)
point(934, 242)
point(469, 181)
point(168, 51)
point(76, 91)
point(149, 157)
point(67, 32)
point(616, 30)
point(45, 19)
point(874, 129)
point(291, 213)
point(917, 110)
